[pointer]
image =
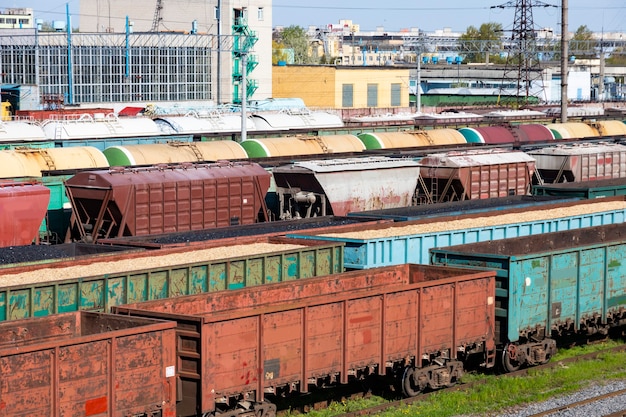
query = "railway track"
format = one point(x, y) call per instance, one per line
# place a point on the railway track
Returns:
point(572, 406)
point(464, 387)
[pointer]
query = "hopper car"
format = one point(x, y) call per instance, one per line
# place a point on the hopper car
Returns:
point(23, 207)
point(161, 199)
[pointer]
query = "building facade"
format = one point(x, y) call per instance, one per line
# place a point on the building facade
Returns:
point(16, 19)
point(170, 56)
point(226, 21)
point(343, 87)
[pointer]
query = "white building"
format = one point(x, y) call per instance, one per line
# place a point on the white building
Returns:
point(226, 19)
point(16, 18)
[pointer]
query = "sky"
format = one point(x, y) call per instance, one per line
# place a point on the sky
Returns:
point(395, 15)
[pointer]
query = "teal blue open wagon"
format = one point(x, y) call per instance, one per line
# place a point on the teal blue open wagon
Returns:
point(550, 286)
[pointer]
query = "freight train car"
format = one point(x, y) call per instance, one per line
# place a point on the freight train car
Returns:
point(584, 189)
point(573, 130)
point(373, 245)
point(22, 210)
point(550, 287)
point(43, 280)
point(418, 323)
point(160, 199)
point(197, 123)
point(174, 152)
point(580, 162)
point(88, 364)
point(16, 133)
point(338, 186)
point(296, 119)
point(34, 162)
point(302, 145)
point(418, 138)
point(102, 131)
point(474, 174)
point(507, 134)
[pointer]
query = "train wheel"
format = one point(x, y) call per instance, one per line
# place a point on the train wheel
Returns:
point(510, 362)
point(412, 385)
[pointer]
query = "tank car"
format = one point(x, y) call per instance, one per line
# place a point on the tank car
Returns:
point(296, 119)
point(34, 162)
point(418, 138)
point(302, 145)
point(496, 135)
point(174, 152)
point(18, 133)
point(573, 130)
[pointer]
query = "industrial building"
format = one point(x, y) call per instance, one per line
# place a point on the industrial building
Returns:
point(203, 52)
point(343, 87)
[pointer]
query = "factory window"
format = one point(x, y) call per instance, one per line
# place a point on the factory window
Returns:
point(347, 95)
point(260, 14)
point(372, 95)
point(396, 97)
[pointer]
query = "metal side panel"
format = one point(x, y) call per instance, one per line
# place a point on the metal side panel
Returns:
point(101, 292)
point(400, 247)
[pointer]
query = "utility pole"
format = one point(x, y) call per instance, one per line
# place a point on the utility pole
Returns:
point(564, 60)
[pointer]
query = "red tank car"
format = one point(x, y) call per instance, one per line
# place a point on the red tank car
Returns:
point(23, 207)
point(87, 364)
point(416, 322)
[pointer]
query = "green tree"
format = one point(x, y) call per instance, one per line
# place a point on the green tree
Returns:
point(278, 52)
point(295, 38)
point(480, 44)
point(582, 43)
